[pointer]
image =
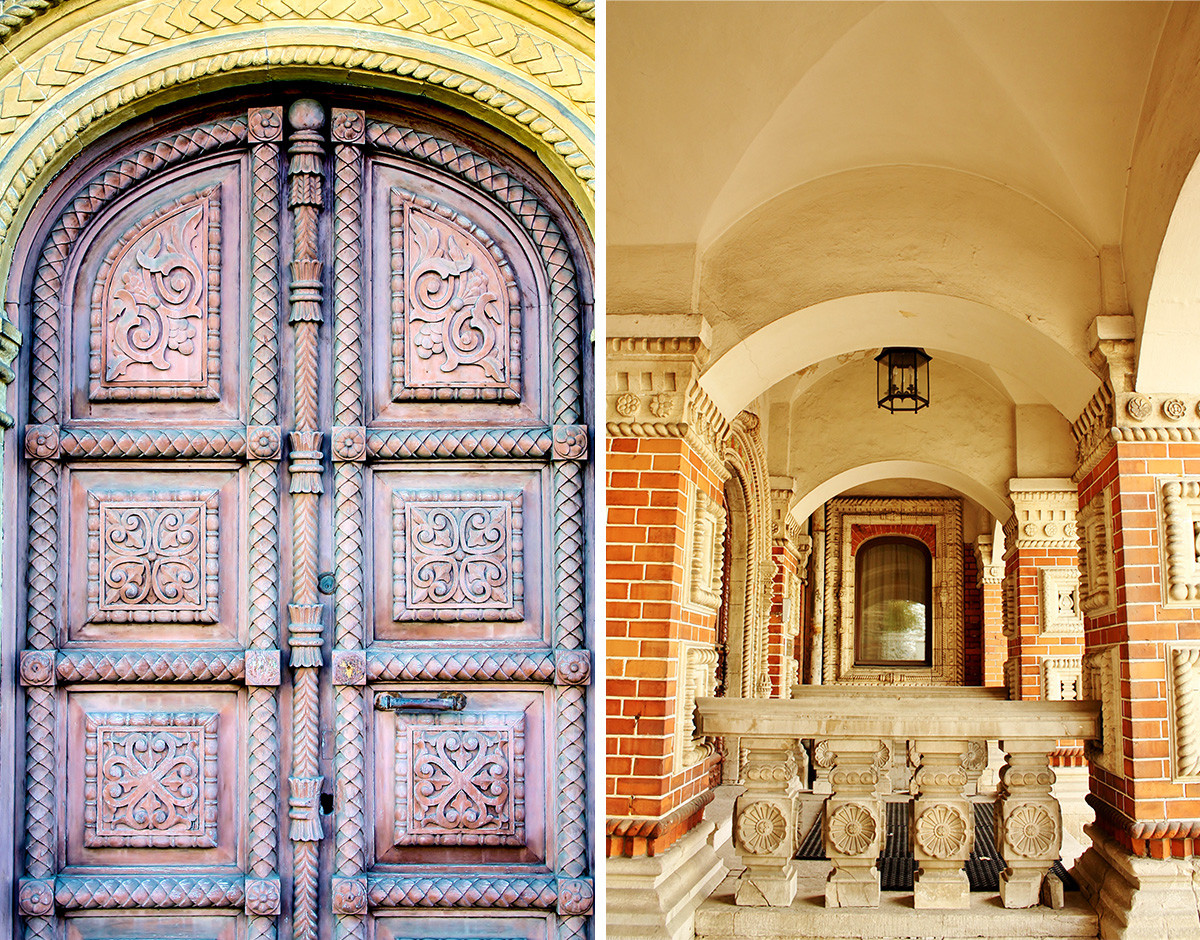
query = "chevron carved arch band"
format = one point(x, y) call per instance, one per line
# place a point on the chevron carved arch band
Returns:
point(527, 70)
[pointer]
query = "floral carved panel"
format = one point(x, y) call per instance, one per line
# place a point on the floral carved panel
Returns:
point(150, 779)
point(456, 322)
point(457, 555)
point(152, 556)
point(460, 779)
point(155, 319)
point(1060, 611)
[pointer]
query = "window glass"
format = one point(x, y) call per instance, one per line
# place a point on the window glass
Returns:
point(892, 609)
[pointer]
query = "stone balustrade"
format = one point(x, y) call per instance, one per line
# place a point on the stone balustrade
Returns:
point(947, 730)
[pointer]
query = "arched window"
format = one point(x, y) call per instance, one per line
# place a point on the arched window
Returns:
point(892, 578)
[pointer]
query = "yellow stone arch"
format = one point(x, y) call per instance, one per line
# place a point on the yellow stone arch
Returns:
point(69, 71)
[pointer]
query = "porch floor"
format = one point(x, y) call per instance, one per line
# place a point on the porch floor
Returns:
point(718, 918)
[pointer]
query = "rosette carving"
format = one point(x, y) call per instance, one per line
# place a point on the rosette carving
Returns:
point(1030, 830)
point(852, 829)
point(942, 831)
point(350, 895)
point(262, 896)
point(761, 828)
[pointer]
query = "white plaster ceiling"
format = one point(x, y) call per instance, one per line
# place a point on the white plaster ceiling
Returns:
point(714, 109)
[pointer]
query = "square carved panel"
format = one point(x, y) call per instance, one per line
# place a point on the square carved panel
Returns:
point(150, 779)
point(457, 555)
point(1098, 580)
point(460, 779)
point(152, 556)
point(155, 311)
point(1059, 597)
point(704, 542)
point(456, 312)
point(1062, 677)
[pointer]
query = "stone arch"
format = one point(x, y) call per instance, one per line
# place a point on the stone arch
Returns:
point(527, 72)
point(995, 503)
point(898, 318)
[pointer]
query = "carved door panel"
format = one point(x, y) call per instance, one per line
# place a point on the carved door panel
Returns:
point(305, 444)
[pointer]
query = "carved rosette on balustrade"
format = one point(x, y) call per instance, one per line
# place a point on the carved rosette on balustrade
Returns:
point(853, 826)
point(942, 824)
point(765, 822)
point(1028, 820)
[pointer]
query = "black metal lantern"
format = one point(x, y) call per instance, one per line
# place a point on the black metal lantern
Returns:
point(902, 378)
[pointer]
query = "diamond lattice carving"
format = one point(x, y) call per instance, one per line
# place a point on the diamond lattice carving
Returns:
point(460, 779)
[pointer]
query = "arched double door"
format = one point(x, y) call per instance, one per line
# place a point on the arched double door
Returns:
point(304, 645)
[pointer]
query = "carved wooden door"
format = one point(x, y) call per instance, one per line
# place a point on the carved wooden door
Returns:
point(305, 641)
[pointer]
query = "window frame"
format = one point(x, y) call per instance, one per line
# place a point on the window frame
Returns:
point(927, 555)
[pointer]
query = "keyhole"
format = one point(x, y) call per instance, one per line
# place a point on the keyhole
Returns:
point(326, 804)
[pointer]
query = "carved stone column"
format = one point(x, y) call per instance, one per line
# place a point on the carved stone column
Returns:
point(942, 829)
point(765, 822)
point(853, 827)
point(1028, 820)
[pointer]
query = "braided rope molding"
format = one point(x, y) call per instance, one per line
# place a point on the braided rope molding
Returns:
point(88, 892)
point(150, 666)
point(466, 665)
point(539, 225)
point(161, 442)
point(568, 555)
point(503, 891)
point(103, 188)
point(424, 443)
point(572, 783)
point(1185, 698)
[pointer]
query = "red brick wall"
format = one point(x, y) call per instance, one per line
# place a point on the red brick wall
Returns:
point(646, 619)
point(777, 652)
point(995, 645)
point(1142, 628)
point(1028, 645)
point(972, 620)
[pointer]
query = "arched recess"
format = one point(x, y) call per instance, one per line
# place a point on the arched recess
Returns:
point(993, 502)
point(752, 568)
point(84, 68)
point(899, 318)
point(1169, 345)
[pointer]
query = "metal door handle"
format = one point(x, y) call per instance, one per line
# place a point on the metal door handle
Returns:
point(445, 702)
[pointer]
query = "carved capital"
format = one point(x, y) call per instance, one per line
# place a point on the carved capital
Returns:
point(262, 897)
point(264, 441)
point(570, 442)
point(37, 667)
point(350, 442)
point(304, 809)
point(42, 441)
point(266, 124)
point(36, 897)
point(1044, 515)
point(262, 667)
point(572, 667)
point(349, 667)
point(349, 126)
point(349, 894)
point(575, 896)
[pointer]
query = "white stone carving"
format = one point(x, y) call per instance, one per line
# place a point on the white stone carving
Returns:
point(698, 679)
point(1044, 514)
point(1058, 590)
point(1102, 683)
point(1179, 513)
point(1098, 579)
point(1012, 678)
point(1183, 678)
point(1062, 678)
point(703, 545)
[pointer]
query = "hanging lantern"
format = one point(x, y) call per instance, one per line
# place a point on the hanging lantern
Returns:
point(902, 378)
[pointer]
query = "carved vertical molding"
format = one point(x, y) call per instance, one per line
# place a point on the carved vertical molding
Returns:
point(348, 132)
point(306, 151)
point(568, 555)
point(265, 126)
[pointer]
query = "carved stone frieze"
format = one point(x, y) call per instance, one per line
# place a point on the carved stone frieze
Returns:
point(1062, 678)
point(1058, 596)
point(697, 679)
point(150, 778)
point(457, 555)
point(1183, 676)
point(1098, 579)
point(1044, 515)
point(155, 330)
point(1179, 512)
point(704, 537)
point(456, 320)
point(153, 556)
point(460, 779)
